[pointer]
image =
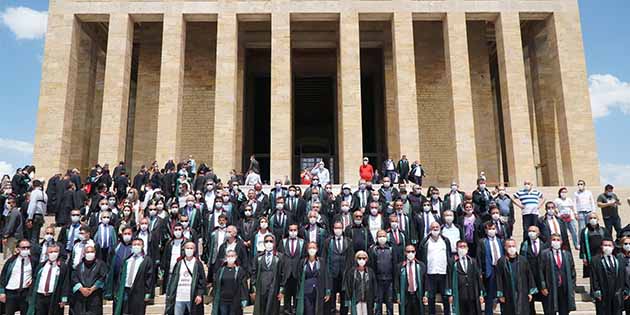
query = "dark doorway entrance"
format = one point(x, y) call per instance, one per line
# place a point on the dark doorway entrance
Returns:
point(315, 123)
point(372, 106)
point(257, 110)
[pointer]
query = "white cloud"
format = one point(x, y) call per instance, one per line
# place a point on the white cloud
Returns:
point(6, 168)
point(615, 174)
point(607, 93)
point(16, 145)
point(24, 22)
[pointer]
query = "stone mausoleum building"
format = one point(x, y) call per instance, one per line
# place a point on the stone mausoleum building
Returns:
point(462, 85)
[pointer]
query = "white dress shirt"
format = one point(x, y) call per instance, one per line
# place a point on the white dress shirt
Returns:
point(53, 278)
point(133, 262)
point(14, 279)
point(436, 256)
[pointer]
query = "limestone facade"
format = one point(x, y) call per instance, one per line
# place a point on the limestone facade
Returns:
point(467, 85)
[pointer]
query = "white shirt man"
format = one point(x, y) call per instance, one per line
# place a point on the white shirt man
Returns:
point(436, 256)
point(185, 281)
point(133, 264)
point(21, 275)
point(54, 274)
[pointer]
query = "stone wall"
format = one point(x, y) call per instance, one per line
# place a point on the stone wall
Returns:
point(437, 148)
point(196, 133)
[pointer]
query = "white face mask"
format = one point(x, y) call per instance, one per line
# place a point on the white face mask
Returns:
point(291, 193)
point(185, 224)
point(174, 210)
point(375, 197)
point(177, 234)
point(160, 207)
point(435, 233)
point(312, 220)
point(248, 213)
point(90, 256)
point(144, 227)
point(532, 235)
point(127, 213)
point(338, 232)
point(53, 256)
point(126, 238)
point(345, 209)
point(448, 219)
point(264, 225)
point(382, 240)
point(394, 225)
point(190, 203)
point(358, 222)
point(104, 207)
point(482, 186)
point(293, 234)
point(152, 213)
point(231, 260)
point(268, 247)
point(496, 217)
point(25, 252)
point(105, 220)
point(592, 221)
point(75, 218)
point(607, 250)
point(279, 206)
point(511, 251)
point(361, 262)
point(528, 187)
point(563, 195)
point(626, 248)
point(48, 237)
point(426, 208)
point(312, 252)
point(492, 233)
point(189, 252)
point(136, 249)
point(411, 256)
point(374, 211)
point(555, 244)
point(461, 252)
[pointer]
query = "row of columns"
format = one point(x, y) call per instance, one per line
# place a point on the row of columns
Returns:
point(57, 95)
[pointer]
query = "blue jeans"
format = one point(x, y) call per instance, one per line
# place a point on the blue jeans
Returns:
point(225, 309)
point(384, 294)
point(181, 307)
point(582, 219)
point(613, 222)
point(574, 233)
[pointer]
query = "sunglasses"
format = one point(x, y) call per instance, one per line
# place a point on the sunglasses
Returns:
point(268, 242)
point(25, 247)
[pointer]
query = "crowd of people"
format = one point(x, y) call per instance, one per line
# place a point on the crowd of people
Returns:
point(302, 249)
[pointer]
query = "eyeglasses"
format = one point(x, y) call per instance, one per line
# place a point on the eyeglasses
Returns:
point(268, 242)
point(25, 247)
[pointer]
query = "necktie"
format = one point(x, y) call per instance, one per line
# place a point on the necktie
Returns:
point(464, 265)
point(48, 276)
point(410, 278)
point(535, 250)
point(498, 224)
point(132, 271)
point(292, 247)
point(426, 223)
point(21, 274)
point(401, 219)
point(611, 263)
point(559, 264)
point(555, 226)
point(495, 252)
point(268, 259)
point(339, 244)
point(396, 237)
point(106, 236)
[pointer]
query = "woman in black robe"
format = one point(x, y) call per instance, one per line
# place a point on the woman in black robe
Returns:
point(590, 242)
point(230, 292)
point(314, 286)
point(87, 283)
point(359, 285)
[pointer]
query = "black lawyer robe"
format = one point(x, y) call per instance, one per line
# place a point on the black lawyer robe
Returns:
point(607, 285)
point(550, 274)
point(60, 292)
point(352, 284)
point(267, 282)
point(88, 274)
point(140, 289)
point(467, 287)
point(241, 295)
point(515, 281)
point(323, 285)
point(198, 287)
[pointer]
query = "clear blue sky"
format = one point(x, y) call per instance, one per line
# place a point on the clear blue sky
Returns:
point(605, 26)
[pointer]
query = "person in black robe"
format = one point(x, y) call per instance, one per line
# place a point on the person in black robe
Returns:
point(87, 284)
point(47, 299)
point(172, 251)
point(231, 242)
point(188, 270)
point(410, 295)
point(294, 250)
point(14, 289)
point(230, 292)
point(515, 281)
point(558, 278)
point(608, 276)
point(66, 204)
point(467, 283)
point(314, 284)
point(135, 283)
point(591, 238)
point(624, 258)
point(267, 281)
point(51, 192)
point(339, 255)
point(359, 286)
point(531, 248)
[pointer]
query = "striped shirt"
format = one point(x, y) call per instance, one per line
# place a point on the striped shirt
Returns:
point(530, 200)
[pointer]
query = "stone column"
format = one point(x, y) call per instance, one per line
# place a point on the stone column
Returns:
point(577, 134)
point(458, 73)
point(281, 109)
point(350, 132)
point(171, 87)
point(116, 91)
point(57, 96)
point(518, 136)
point(224, 148)
point(405, 80)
